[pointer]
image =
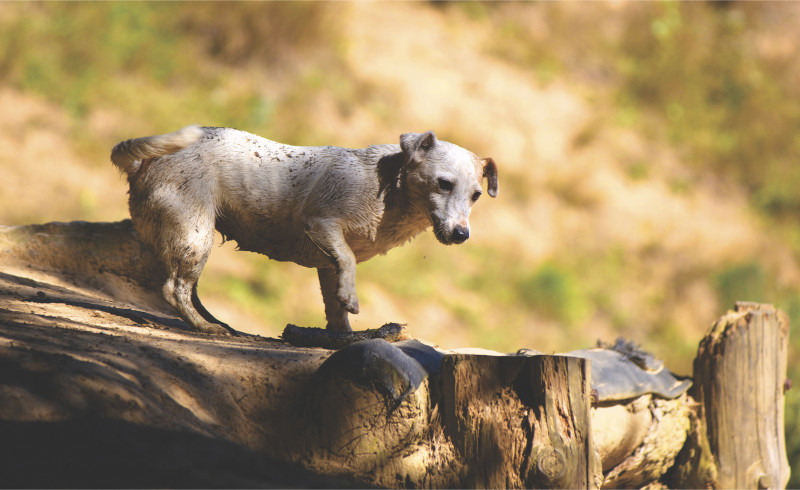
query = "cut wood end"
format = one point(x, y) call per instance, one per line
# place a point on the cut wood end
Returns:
point(740, 316)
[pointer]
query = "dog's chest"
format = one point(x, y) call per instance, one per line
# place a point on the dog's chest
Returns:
point(285, 239)
point(389, 234)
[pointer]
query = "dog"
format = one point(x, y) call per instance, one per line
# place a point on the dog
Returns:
point(324, 207)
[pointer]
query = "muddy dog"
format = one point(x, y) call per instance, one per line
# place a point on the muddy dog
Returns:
point(323, 207)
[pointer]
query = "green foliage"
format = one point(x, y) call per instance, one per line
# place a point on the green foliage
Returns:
point(65, 53)
point(555, 292)
point(142, 58)
point(792, 426)
point(741, 282)
point(732, 109)
point(790, 303)
point(638, 170)
point(531, 54)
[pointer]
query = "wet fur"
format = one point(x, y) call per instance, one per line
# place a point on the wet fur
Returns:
point(322, 207)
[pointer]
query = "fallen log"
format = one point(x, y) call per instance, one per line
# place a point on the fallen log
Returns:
point(101, 383)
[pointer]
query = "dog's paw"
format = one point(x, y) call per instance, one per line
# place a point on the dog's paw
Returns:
point(349, 302)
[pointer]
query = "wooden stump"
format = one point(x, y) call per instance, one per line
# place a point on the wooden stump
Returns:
point(521, 421)
point(739, 376)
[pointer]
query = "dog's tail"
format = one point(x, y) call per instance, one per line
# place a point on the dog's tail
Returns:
point(128, 155)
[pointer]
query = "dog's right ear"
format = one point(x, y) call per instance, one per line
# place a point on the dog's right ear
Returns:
point(490, 173)
point(411, 143)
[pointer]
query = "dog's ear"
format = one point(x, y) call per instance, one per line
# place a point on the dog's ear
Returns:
point(490, 172)
point(411, 143)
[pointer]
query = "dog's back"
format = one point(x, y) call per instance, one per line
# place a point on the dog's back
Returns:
point(255, 191)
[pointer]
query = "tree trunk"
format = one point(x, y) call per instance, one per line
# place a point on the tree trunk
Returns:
point(521, 422)
point(739, 376)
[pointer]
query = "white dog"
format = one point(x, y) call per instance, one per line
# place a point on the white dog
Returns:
point(324, 207)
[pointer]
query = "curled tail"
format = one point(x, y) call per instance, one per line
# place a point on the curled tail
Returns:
point(128, 155)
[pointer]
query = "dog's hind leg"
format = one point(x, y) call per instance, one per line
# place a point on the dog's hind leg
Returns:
point(181, 292)
point(204, 312)
point(186, 244)
point(184, 294)
point(335, 313)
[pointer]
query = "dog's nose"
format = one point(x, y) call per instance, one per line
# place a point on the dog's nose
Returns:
point(460, 234)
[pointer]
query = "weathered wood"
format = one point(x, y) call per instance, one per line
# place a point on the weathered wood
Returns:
point(739, 376)
point(521, 421)
point(105, 257)
point(694, 466)
point(662, 442)
point(88, 380)
point(331, 339)
point(108, 363)
point(619, 428)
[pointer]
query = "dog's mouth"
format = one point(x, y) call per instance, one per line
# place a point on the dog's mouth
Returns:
point(438, 229)
point(450, 237)
point(444, 235)
point(441, 235)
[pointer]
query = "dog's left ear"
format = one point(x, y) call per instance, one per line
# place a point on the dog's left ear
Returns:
point(490, 172)
point(411, 143)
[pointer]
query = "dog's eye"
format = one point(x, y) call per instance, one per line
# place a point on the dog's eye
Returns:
point(476, 196)
point(445, 185)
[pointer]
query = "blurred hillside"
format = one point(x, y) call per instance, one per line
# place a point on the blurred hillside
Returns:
point(648, 152)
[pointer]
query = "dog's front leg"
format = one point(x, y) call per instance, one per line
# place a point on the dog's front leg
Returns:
point(328, 236)
point(335, 313)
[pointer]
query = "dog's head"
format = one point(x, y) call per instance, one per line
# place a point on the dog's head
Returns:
point(447, 179)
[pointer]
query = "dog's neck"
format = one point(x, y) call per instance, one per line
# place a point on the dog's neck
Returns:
point(403, 217)
point(391, 179)
point(393, 189)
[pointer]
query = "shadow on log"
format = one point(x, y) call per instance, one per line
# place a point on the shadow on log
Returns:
point(521, 422)
point(102, 386)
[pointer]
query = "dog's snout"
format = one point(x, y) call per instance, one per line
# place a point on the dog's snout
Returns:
point(460, 234)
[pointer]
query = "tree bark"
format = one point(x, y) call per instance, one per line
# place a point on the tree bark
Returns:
point(663, 440)
point(521, 422)
point(739, 376)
